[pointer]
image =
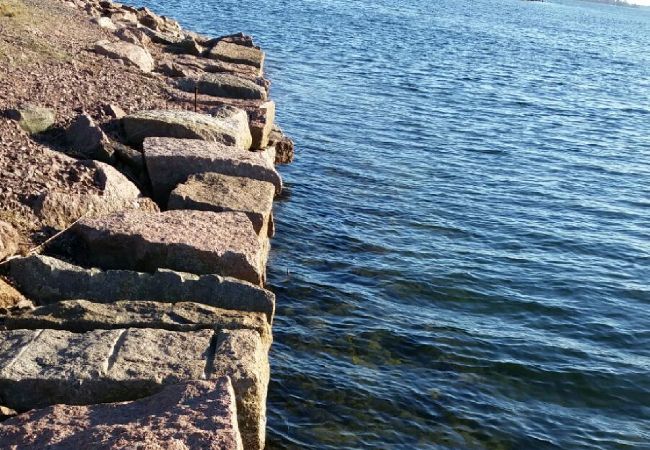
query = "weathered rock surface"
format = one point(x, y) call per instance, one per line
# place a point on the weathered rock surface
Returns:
point(284, 146)
point(221, 243)
point(241, 356)
point(261, 124)
point(217, 192)
point(192, 415)
point(105, 22)
point(240, 54)
point(10, 297)
point(9, 240)
point(60, 209)
point(45, 279)
point(33, 119)
point(42, 367)
point(130, 53)
point(80, 316)
point(224, 85)
point(172, 161)
point(231, 131)
point(87, 139)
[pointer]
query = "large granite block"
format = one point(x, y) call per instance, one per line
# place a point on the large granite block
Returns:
point(192, 415)
point(217, 192)
point(229, 129)
point(172, 161)
point(241, 355)
point(234, 53)
point(81, 315)
point(45, 279)
point(98, 366)
point(222, 243)
point(224, 85)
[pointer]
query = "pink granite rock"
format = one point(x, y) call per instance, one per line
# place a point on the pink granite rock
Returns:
point(193, 415)
point(172, 161)
point(199, 242)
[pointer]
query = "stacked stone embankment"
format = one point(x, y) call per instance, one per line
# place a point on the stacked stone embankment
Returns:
point(145, 317)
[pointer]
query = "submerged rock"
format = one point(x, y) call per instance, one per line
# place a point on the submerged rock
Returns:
point(217, 192)
point(221, 243)
point(191, 415)
point(231, 130)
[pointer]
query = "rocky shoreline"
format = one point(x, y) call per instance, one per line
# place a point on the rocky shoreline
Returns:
point(136, 208)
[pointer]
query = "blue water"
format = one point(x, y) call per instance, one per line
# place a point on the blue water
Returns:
point(464, 257)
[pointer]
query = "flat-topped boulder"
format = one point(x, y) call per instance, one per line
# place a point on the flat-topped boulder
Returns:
point(235, 53)
point(80, 316)
point(45, 280)
point(199, 242)
point(44, 367)
point(217, 192)
point(39, 368)
point(129, 53)
point(230, 130)
point(172, 161)
point(195, 414)
point(224, 85)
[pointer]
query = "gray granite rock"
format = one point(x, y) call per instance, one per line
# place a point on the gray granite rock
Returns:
point(234, 53)
point(221, 243)
point(217, 192)
point(80, 316)
point(191, 415)
point(232, 130)
point(39, 368)
point(224, 85)
point(86, 138)
point(241, 356)
point(129, 53)
point(43, 367)
point(45, 279)
point(172, 161)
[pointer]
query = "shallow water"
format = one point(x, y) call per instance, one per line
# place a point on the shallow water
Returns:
point(463, 260)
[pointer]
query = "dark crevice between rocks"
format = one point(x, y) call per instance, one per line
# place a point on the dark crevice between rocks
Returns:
point(112, 357)
point(210, 355)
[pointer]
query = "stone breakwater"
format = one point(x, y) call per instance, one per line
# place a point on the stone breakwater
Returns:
point(145, 318)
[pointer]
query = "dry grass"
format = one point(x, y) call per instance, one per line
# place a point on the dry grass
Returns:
point(12, 8)
point(23, 34)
